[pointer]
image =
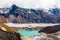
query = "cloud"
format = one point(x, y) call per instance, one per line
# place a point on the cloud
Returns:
point(46, 4)
point(8, 3)
point(58, 3)
point(38, 3)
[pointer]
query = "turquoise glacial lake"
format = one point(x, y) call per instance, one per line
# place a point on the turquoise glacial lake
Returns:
point(27, 33)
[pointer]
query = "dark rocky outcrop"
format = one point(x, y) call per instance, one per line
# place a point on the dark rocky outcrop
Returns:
point(9, 35)
point(50, 29)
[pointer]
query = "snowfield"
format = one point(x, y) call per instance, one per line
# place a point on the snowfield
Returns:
point(31, 24)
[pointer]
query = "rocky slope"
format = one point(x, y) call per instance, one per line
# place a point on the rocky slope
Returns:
point(16, 14)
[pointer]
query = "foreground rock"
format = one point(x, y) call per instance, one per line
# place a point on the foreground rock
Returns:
point(9, 35)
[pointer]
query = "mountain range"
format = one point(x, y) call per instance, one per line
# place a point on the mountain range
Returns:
point(16, 14)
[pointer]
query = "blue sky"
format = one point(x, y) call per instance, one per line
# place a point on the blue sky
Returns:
point(31, 3)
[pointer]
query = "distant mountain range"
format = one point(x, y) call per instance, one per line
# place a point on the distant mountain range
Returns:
point(16, 14)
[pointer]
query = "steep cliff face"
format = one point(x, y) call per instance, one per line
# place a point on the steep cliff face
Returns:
point(56, 12)
point(23, 15)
